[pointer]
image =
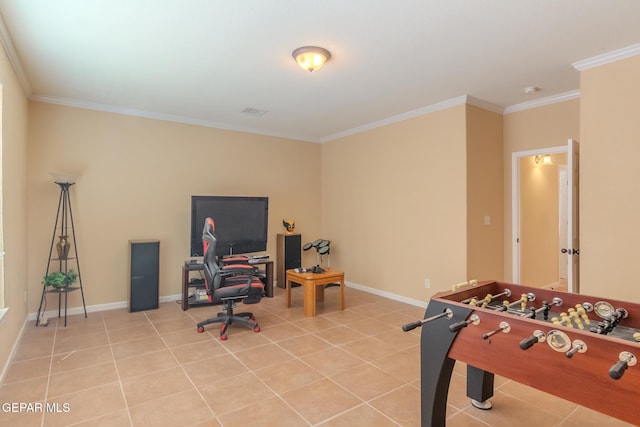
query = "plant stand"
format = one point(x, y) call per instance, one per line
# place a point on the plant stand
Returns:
point(64, 248)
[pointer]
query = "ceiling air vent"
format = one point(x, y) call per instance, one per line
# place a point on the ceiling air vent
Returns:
point(254, 111)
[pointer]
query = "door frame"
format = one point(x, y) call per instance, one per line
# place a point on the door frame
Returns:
point(515, 202)
point(563, 207)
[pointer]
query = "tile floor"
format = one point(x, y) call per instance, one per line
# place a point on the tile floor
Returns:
point(342, 368)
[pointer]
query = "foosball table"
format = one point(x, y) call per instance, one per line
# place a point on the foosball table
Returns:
point(577, 347)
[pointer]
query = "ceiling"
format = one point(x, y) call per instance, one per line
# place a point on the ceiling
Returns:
point(205, 61)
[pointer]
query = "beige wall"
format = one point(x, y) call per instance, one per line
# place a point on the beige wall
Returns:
point(610, 179)
point(14, 206)
point(135, 180)
point(394, 204)
point(400, 203)
point(543, 127)
point(485, 258)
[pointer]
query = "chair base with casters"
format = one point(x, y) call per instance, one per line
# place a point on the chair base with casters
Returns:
point(228, 317)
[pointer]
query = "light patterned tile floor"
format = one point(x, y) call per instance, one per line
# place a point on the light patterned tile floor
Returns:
point(342, 368)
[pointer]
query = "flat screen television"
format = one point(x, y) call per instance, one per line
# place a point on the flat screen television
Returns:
point(240, 223)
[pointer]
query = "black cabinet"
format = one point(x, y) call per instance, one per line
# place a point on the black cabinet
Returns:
point(289, 247)
point(144, 275)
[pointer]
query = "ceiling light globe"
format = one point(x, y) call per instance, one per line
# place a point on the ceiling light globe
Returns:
point(311, 58)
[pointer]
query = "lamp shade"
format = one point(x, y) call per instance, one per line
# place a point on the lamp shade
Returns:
point(311, 58)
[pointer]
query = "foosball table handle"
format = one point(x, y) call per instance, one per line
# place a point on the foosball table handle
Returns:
point(410, 326)
point(527, 343)
point(473, 319)
point(617, 371)
point(626, 359)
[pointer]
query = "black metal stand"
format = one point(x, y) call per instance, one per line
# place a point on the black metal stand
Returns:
point(64, 223)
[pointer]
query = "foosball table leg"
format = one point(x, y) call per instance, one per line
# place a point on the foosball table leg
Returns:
point(479, 387)
point(436, 366)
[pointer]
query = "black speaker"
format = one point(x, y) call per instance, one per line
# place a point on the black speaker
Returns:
point(144, 275)
point(289, 255)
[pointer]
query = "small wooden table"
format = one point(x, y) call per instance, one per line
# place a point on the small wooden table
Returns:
point(313, 284)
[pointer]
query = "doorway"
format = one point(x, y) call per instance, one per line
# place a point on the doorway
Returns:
point(540, 212)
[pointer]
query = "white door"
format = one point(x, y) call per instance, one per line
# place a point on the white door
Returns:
point(573, 227)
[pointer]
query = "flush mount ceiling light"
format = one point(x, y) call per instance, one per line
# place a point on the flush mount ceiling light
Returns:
point(311, 58)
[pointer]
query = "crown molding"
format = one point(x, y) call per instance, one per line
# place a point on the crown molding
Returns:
point(166, 117)
point(398, 118)
point(460, 100)
point(606, 58)
point(566, 96)
point(14, 59)
point(485, 105)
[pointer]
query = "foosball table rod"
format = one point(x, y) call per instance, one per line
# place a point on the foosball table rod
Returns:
point(409, 326)
point(504, 327)
point(546, 307)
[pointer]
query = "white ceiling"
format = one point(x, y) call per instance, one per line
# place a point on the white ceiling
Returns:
point(205, 61)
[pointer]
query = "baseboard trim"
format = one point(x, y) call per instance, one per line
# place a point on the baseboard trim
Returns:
point(3, 313)
point(12, 354)
point(385, 294)
point(176, 297)
point(98, 307)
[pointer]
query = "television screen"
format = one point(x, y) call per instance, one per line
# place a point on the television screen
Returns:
point(241, 223)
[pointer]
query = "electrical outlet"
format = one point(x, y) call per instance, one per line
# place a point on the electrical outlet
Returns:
point(427, 283)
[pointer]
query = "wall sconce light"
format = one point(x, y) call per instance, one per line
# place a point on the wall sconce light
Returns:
point(543, 160)
point(311, 58)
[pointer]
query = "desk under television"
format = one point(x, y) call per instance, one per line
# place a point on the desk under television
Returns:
point(197, 284)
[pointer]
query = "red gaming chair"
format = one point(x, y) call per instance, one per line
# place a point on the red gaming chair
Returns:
point(228, 285)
